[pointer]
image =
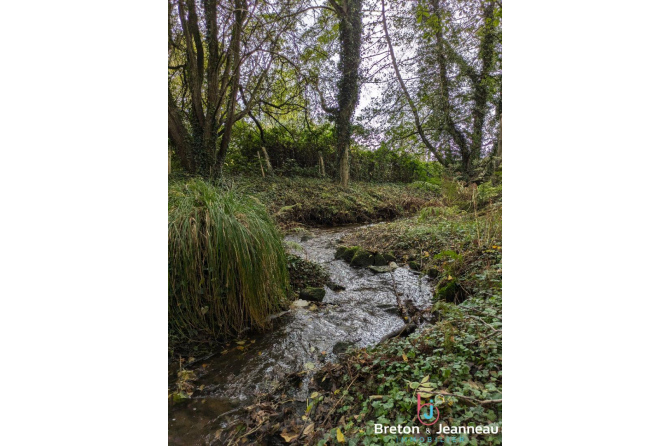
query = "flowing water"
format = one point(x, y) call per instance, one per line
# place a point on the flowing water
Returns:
point(361, 315)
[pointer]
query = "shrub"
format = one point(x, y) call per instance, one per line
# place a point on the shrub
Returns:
point(226, 264)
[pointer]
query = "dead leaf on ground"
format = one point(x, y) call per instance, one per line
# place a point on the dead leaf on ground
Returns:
point(309, 429)
point(289, 436)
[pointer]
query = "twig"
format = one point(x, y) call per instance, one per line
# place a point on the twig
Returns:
point(340, 400)
point(482, 321)
point(484, 338)
point(471, 400)
point(403, 313)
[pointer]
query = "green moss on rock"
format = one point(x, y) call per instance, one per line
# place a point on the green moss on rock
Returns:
point(313, 294)
point(346, 253)
point(362, 258)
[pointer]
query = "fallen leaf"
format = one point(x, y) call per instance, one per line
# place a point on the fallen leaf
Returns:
point(240, 342)
point(314, 395)
point(404, 357)
point(309, 366)
point(289, 436)
point(309, 429)
point(340, 436)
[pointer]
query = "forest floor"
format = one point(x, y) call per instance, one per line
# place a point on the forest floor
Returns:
point(453, 358)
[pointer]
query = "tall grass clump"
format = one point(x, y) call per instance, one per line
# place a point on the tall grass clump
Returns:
point(226, 264)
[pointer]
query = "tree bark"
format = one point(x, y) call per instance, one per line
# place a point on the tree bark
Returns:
point(351, 29)
point(267, 161)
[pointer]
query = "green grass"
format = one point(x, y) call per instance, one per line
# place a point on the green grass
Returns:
point(314, 201)
point(226, 264)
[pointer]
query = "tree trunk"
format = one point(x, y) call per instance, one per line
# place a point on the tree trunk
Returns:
point(322, 165)
point(481, 88)
point(267, 161)
point(260, 163)
point(351, 28)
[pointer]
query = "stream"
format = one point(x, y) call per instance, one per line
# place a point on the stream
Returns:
point(361, 315)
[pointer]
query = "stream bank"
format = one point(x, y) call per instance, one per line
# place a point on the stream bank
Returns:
point(301, 341)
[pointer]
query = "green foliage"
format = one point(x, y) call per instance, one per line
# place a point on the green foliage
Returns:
point(461, 355)
point(487, 193)
point(447, 240)
point(226, 263)
point(431, 212)
point(295, 152)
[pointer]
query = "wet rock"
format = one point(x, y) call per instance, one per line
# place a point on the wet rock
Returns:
point(389, 257)
point(313, 294)
point(335, 286)
point(414, 265)
point(339, 252)
point(346, 253)
point(380, 260)
point(362, 258)
point(383, 269)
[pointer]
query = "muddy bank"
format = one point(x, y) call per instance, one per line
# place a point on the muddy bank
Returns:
point(302, 340)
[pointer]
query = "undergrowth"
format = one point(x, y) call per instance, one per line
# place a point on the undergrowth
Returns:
point(314, 201)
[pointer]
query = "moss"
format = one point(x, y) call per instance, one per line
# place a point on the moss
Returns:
point(303, 273)
point(448, 291)
point(389, 257)
point(362, 258)
point(379, 260)
point(414, 265)
point(313, 294)
point(346, 253)
point(339, 253)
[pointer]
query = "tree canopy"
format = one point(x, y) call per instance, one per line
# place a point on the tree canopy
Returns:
point(419, 77)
